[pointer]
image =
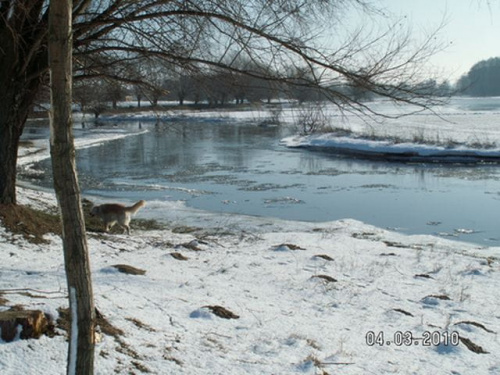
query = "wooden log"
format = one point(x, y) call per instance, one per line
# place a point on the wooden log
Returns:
point(29, 324)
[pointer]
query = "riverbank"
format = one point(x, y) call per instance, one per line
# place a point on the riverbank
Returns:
point(307, 297)
point(394, 151)
point(223, 162)
point(301, 298)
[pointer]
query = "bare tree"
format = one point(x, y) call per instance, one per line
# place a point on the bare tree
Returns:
point(152, 75)
point(110, 36)
point(181, 84)
point(114, 92)
point(62, 150)
point(92, 96)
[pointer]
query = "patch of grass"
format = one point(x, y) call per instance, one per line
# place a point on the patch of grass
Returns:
point(130, 270)
point(324, 256)
point(34, 224)
point(178, 256)
point(150, 224)
point(403, 312)
point(3, 301)
point(443, 297)
point(185, 229)
point(475, 324)
point(63, 322)
point(423, 276)
point(141, 367)
point(287, 246)
point(30, 223)
point(25, 143)
point(140, 324)
point(178, 362)
point(222, 312)
point(472, 346)
point(326, 278)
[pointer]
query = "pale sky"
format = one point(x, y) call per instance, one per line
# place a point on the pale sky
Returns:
point(471, 33)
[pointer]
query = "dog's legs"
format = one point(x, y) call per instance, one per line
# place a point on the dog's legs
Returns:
point(109, 226)
point(126, 228)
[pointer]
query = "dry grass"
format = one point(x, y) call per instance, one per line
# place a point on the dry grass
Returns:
point(475, 324)
point(178, 256)
point(106, 327)
point(324, 256)
point(33, 224)
point(140, 324)
point(3, 301)
point(326, 278)
point(130, 270)
point(472, 346)
point(222, 312)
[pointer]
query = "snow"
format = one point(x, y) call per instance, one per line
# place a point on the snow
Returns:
point(274, 275)
point(73, 346)
point(290, 321)
point(39, 149)
point(389, 150)
point(450, 133)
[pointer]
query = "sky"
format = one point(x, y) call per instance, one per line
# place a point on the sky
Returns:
point(471, 32)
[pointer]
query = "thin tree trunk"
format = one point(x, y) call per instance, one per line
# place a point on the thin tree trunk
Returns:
point(9, 142)
point(81, 345)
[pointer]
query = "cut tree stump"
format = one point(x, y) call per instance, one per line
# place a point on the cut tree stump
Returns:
point(28, 323)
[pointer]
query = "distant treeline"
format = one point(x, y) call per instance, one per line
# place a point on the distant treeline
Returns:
point(483, 79)
point(217, 88)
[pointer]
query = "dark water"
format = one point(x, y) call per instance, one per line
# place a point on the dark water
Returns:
point(242, 168)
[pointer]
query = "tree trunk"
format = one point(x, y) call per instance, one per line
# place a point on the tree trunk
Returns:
point(15, 103)
point(21, 72)
point(9, 142)
point(81, 343)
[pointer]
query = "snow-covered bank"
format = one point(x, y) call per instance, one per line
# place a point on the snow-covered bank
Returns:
point(307, 295)
point(390, 150)
point(39, 149)
point(461, 130)
point(306, 299)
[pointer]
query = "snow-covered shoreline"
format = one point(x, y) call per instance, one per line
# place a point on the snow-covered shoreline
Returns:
point(308, 295)
point(390, 150)
point(301, 309)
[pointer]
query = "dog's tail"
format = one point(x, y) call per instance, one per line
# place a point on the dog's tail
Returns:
point(133, 209)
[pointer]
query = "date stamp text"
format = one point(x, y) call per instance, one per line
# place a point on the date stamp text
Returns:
point(407, 338)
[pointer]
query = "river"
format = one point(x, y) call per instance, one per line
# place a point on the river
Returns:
point(241, 168)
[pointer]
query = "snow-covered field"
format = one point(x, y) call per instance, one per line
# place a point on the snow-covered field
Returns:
point(301, 310)
point(339, 298)
point(460, 131)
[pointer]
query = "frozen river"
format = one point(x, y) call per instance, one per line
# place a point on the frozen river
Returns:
point(241, 168)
